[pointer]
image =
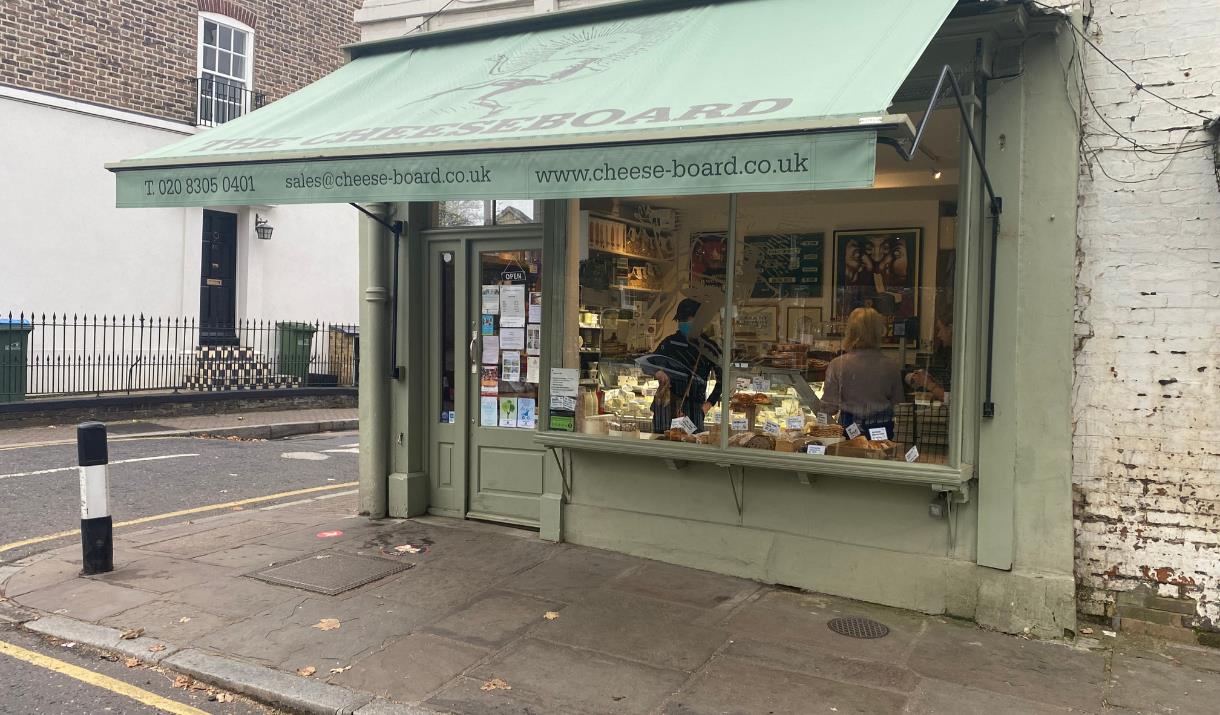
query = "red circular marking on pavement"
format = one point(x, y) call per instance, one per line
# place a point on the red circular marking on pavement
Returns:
point(329, 534)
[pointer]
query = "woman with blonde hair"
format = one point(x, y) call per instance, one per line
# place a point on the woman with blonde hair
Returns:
point(862, 384)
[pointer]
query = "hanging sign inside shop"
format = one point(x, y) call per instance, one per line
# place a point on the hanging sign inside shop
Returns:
point(853, 431)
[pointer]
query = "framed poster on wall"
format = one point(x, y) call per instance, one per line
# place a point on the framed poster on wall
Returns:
point(708, 256)
point(877, 268)
point(789, 265)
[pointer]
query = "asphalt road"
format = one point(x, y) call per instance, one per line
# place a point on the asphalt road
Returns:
point(27, 688)
point(40, 492)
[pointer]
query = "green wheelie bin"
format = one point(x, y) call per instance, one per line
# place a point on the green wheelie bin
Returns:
point(14, 342)
point(295, 345)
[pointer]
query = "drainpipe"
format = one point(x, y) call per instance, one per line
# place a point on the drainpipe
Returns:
point(374, 362)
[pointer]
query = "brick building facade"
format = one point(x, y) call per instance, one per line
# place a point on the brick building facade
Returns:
point(141, 55)
point(1147, 425)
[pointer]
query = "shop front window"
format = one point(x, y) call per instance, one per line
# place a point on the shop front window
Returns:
point(842, 328)
point(651, 298)
point(839, 337)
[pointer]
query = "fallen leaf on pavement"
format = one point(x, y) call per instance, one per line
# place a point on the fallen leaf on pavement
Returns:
point(156, 648)
point(131, 662)
point(181, 681)
point(239, 508)
point(408, 549)
point(69, 644)
point(327, 624)
point(132, 633)
point(551, 615)
point(344, 669)
point(1086, 631)
point(184, 619)
point(223, 697)
point(495, 684)
point(306, 671)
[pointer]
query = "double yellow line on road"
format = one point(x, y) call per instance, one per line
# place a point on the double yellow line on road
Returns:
point(98, 680)
point(181, 512)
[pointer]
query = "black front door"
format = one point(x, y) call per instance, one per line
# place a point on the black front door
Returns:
point(217, 286)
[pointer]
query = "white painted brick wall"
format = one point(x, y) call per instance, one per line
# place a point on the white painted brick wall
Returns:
point(1147, 390)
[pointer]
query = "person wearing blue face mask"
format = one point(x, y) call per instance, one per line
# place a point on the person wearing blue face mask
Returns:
point(683, 364)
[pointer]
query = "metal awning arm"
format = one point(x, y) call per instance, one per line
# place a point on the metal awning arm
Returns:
point(948, 81)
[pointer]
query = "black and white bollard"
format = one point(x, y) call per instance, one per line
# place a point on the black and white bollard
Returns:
point(96, 538)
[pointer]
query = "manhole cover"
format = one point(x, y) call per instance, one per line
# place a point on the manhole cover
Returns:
point(330, 572)
point(857, 627)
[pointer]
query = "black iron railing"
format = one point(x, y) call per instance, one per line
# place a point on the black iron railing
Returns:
point(58, 354)
point(221, 100)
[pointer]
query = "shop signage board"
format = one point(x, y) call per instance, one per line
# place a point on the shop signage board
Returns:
point(789, 265)
point(751, 164)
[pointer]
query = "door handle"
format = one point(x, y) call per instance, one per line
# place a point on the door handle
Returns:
point(474, 364)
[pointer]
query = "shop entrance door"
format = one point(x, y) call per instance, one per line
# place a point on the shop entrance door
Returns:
point(504, 319)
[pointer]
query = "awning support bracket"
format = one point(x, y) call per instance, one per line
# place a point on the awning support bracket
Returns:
point(395, 228)
point(949, 81)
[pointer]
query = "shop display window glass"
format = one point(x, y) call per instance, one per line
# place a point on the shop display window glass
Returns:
point(648, 324)
point(839, 332)
point(842, 326)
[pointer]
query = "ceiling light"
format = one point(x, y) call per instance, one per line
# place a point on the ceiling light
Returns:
point(936, 175)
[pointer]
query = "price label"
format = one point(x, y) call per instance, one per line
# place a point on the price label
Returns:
point(823, 418)
point(853, 431)
point(913, 454)
point(563, 403)
point(878, 434)
point(742, 383)
point(796, 423)
point(761, 384)
point(771, 428)
point(740, 424)
point(684, 424)
point(818, 449)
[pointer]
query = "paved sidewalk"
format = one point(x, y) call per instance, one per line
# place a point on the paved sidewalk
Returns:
point(248, 422)
point(488, 619)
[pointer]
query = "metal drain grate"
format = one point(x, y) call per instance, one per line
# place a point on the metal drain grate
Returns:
point(331, 573)
point(857, 627)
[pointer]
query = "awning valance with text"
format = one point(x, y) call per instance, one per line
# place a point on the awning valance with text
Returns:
point(642, 98)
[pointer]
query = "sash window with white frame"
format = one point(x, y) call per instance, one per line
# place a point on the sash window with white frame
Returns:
point(226, 57)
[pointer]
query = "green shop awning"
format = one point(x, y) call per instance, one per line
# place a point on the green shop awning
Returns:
point(640, 98)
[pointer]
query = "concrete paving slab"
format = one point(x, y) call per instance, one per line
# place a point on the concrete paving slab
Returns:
point(248, 557)
point(474, 551)
point(283, 636)
point(411, 668)
point(731, 686)
point(85, 600)
point(430, 589)
point(1152, 684)
point(1043, 672)
point(790, 617)
point(210, 541)
point(235, 597)
point(161, 574)
point(163, 619)
point(40, 574)
point(570, 575)
point(655, 632)
point(938, 697)
point(304, 539)
point(818, 662)
point(550, 678)
point(494, 619)
point(689, 587)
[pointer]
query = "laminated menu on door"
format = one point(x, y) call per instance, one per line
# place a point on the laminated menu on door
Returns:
point(491, 350)
point(535, 308)
point(533, 369)
point(512, 306)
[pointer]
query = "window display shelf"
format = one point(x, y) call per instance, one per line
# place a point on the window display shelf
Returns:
point(937, 477)
point(634, 256)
